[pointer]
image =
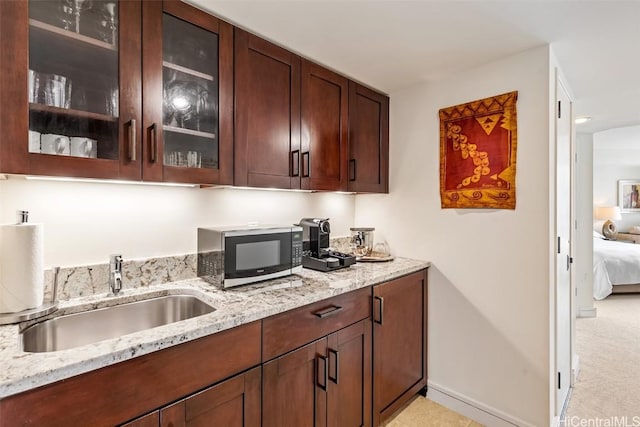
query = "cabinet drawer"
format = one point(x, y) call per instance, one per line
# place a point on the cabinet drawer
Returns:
point(284, 332)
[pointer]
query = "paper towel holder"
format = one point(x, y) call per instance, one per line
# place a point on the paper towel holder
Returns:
point(35, 313)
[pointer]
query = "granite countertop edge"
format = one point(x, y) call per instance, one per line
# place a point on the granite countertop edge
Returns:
point(21, 371)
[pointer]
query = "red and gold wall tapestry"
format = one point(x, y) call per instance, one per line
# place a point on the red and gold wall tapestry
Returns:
point(478, 153)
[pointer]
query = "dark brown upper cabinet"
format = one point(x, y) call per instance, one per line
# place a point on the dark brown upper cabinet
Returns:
point(267, 114)
point(160, 91)
point(301, 126)
point(188, 103)
point(75, 73)
point(71, 88)
point(325, 112)
point(368, 140)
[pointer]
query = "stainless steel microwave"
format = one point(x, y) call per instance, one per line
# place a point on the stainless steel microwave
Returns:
point(237, 255)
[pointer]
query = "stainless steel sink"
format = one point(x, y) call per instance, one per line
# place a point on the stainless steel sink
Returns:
point(73, 330)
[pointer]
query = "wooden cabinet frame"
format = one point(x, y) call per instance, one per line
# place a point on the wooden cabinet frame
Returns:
point(153, 167)
point(14, 65)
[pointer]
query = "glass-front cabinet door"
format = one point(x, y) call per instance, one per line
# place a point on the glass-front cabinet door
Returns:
point(80, 80)
point(188, 102)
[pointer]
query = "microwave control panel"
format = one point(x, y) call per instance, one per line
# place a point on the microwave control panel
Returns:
point(296, 248)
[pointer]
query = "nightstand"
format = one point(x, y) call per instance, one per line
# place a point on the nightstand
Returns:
point(635, 238)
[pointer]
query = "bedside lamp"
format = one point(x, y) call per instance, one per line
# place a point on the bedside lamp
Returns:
point(609, 214)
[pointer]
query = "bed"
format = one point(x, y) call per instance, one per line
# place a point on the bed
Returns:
point(616, 267)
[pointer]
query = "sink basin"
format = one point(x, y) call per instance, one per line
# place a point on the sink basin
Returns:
point(74, 330)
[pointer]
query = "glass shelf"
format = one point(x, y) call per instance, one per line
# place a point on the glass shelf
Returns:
point(188, 131)
point(71, 112)
point(70, 35)
point(186, 70)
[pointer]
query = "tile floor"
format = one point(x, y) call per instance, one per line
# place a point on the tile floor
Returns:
point(422, 412)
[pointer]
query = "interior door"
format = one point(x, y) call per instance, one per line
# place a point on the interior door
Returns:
point(563, 250)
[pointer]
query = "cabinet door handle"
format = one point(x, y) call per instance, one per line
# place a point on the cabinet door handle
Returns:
point(322, 374)
point(305, 163)
point(295, 163)
point(380, 309)
point(336, 356)
point(326, 312)
point(132, 140)
point(352, 170)
point(153, 130)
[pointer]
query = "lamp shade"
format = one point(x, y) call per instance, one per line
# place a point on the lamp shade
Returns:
point(611, 213)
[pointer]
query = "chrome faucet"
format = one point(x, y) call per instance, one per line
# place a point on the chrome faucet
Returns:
point(115, 273)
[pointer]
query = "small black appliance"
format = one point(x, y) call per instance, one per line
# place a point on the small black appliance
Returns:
point(317, 254)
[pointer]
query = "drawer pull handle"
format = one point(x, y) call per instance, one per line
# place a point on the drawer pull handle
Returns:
point(326, 312)
point(324, 374)
point(336, 356)
point(380, 309)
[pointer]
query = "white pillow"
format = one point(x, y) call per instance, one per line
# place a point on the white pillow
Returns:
point(598, 235)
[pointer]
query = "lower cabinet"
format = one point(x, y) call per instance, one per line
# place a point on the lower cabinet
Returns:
point(324, 383)
point(399, 343)
point(349, 375)
point(340, 362)
point(121, 392)
point(232, 403)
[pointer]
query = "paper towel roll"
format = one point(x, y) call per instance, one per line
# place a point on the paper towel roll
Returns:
point(21, 267)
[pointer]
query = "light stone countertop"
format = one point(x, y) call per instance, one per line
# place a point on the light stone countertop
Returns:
point(21, 371)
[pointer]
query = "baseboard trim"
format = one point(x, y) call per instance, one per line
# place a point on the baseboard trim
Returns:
point(471, 408)
point(587, 312)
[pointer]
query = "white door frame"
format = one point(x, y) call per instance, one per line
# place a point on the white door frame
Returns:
point(556, 406)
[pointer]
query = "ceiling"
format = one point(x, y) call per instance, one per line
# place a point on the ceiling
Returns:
point(395, 44)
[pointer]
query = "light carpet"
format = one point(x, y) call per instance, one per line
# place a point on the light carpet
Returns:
point(422, 412)
point(608, 385)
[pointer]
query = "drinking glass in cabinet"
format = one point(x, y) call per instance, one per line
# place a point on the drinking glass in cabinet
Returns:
point(107, 23)
point(49, 89)
point(70, 12)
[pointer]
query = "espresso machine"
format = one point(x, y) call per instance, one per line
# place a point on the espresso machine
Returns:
point(317, 254)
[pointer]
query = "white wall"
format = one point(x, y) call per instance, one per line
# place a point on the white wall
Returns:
point(86, 222)
point(583, 245)
point(616, 155)
point(489, 284)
